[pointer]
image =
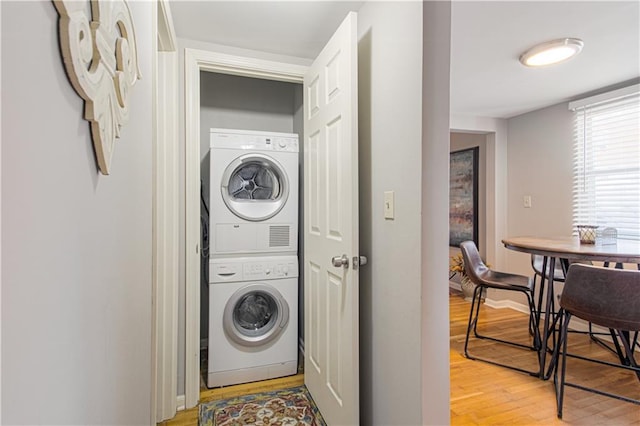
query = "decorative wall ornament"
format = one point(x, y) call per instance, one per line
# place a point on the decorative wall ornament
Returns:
point(98, 46)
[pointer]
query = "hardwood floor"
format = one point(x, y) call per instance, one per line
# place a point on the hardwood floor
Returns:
point(484, 394)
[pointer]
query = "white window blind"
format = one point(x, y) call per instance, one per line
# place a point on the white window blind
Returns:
point(606, 184)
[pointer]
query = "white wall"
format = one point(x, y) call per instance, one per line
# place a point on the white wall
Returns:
point(436, 35)
point(76, 245)
point(390, 123)
point(540, 160)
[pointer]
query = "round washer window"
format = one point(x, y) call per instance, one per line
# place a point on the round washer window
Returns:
point(255, 315)
point(255, 187)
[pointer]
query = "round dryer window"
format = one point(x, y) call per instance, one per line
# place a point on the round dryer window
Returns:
point(255, 187)
point(255, 315)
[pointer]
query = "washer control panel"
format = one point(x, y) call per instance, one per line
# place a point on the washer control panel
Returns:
point(252, 269)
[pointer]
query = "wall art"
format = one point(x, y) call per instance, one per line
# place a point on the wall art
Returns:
point(463, 196)
point(98, 45)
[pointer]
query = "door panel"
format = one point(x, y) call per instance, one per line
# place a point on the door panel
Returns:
point(331, 218)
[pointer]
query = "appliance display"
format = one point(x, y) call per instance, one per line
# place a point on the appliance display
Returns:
point(254, 192)
point(253, 319)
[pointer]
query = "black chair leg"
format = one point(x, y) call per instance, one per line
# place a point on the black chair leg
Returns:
point(473, 321)
point(474, 315)
point(564, 327)
point(560, 355)
point(628, 348)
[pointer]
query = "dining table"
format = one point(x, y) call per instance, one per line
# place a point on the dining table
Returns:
point(567, 250)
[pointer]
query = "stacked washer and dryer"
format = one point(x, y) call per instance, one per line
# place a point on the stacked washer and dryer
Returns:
point(253, 265)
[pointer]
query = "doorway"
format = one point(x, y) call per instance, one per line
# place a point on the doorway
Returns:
point(198, 62)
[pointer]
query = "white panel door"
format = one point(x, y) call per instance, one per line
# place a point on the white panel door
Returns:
point(331, 227)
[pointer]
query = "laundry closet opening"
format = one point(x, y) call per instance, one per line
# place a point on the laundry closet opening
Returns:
point(261, 106)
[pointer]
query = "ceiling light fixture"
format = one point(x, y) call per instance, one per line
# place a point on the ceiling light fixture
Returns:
point(551, 52)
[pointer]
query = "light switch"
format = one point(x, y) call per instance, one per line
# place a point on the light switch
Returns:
point(527, 201)
point(389, 205)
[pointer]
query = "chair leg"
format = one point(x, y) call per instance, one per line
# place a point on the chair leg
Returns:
point(472, 321)
point(534, 322)
point(564, 327)
point(561, 365)
point(474, 314)
point(628, 348)
point(478, 292)
point(538, 308)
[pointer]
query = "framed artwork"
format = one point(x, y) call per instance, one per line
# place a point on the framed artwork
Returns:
point(463, 196)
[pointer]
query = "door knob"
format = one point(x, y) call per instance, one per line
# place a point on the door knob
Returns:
point(359, 261)
point(340, 261)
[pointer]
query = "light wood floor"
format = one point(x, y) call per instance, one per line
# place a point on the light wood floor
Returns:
point(484, 394)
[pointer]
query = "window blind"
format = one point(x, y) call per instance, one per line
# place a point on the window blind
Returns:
point(606, 184)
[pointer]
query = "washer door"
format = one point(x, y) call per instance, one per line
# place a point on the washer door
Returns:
point(255, 187)
point(255, 315)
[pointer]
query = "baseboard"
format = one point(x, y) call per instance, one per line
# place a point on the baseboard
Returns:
point(502, 304)
point(496, 304)
point(180, 403)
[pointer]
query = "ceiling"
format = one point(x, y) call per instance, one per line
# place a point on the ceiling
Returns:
point(486, 40)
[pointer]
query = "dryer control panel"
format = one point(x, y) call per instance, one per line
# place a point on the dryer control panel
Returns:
point(254, 141)
point(252, 269)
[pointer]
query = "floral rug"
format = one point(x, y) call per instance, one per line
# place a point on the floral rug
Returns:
point(287, 407)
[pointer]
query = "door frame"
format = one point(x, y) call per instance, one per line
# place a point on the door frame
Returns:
point(195, 61)
point(165, 217)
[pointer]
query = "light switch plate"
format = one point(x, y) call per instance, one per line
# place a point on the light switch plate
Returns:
point(527, 201)
point(389, 205)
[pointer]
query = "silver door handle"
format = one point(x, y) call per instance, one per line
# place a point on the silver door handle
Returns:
point(340, 261)
point(359, 261)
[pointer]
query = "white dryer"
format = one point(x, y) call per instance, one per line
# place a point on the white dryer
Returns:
point(253, 319)
point(254, 192)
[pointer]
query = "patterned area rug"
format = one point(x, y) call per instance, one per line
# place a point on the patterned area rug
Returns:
point(287, 407)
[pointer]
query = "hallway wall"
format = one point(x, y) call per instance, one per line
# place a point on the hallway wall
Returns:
point(76, 245)
point(390, 134)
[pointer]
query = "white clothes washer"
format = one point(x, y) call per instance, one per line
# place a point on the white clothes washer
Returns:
point(254, 192)
point(253, 319)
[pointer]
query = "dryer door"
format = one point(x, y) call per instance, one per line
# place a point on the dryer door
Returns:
point(255, 315)
point(255, 187)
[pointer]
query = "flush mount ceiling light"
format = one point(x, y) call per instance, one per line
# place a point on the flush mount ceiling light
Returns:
point(551, 52)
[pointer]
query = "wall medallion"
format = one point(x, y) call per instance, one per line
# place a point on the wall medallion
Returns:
point(98, 47)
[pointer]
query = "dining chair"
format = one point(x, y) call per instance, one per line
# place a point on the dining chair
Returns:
point(606, 297)
point(538, 263)
point(484, 278)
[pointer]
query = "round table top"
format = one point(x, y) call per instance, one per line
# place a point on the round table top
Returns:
point(624, 251)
